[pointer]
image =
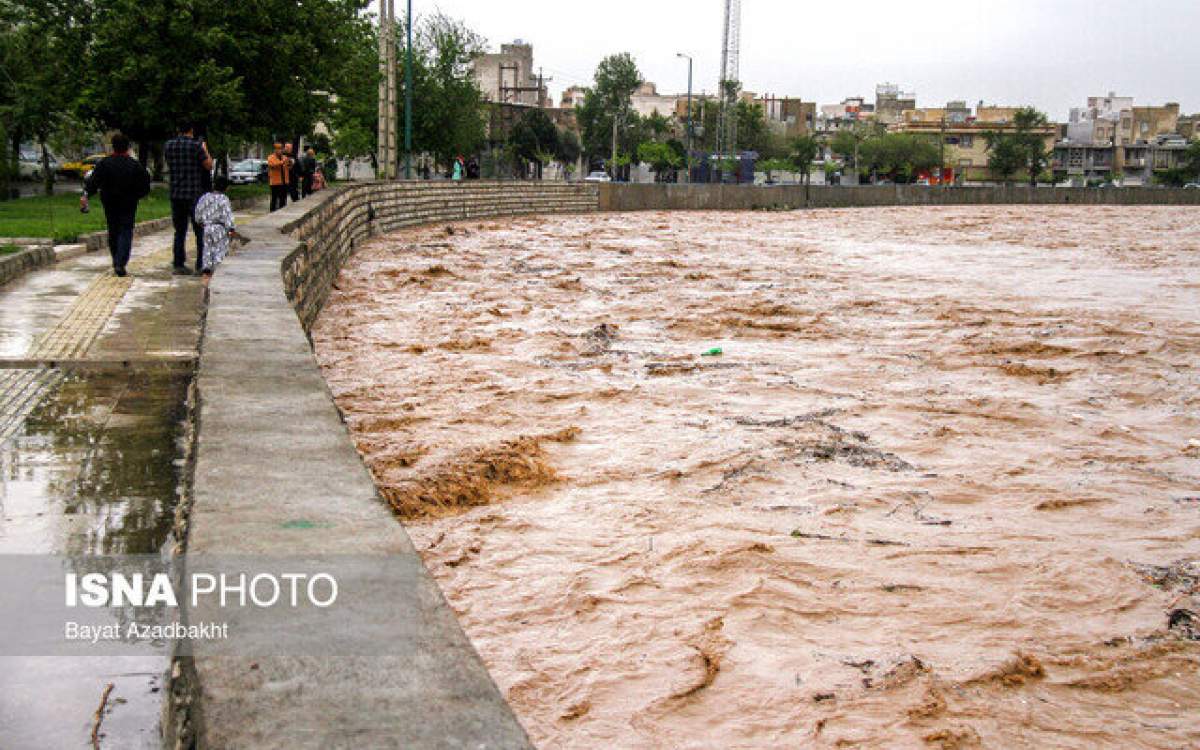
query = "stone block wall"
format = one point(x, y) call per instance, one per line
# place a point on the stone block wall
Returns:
point(625, 197)
point(331, 232)
point(18, 264)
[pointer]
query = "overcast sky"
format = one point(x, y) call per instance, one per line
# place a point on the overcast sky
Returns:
point(1049, 53)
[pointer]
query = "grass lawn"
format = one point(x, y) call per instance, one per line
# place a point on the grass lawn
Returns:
point(9, 249)
point(59, 217)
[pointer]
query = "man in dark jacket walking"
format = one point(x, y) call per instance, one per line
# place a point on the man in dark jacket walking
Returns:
point(121, 182)
point(309, 164)
point(188, 160)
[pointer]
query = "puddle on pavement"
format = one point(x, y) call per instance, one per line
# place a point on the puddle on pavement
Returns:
point(93, 471)
point(919, 499)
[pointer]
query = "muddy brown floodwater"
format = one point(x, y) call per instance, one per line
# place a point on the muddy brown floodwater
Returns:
point(940, 487)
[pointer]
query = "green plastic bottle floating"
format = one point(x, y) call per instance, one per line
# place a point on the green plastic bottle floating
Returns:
point(716, 351)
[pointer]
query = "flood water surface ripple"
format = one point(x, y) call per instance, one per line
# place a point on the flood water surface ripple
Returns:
point(912, 477)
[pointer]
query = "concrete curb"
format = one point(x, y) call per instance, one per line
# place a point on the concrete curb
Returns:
point(18, 264)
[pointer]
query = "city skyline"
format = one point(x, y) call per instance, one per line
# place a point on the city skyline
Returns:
point(1052, 56)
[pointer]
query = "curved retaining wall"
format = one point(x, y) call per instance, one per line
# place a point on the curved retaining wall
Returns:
point(331, 232)
point(674, 197)
point(276, 474)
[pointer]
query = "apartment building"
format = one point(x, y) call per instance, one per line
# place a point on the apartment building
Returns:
point(962, 134)
point(508, 77)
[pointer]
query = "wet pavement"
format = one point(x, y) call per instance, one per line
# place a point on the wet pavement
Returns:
point(934, 485)
point(91, 464)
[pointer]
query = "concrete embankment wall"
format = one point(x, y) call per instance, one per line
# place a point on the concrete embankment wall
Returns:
point(668, 197)
point(332, 232)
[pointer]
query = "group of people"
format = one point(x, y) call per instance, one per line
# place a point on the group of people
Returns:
point(197, 198)
point(292, 177)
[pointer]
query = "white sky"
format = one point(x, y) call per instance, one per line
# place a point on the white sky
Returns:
point(1049, 53)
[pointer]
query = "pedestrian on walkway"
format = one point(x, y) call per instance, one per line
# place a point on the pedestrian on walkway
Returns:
point(187, 160)
point(121, 182)
point(278, 167)
point(309, 172)
point(294, 173)
point(215, 214)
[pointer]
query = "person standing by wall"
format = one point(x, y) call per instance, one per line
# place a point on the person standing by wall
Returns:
point(187, 160)
point(121, 182)
point(294, 171)
point(310, 172)
point(278, 168)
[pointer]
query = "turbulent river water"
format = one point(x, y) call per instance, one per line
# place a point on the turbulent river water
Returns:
point(911, 477)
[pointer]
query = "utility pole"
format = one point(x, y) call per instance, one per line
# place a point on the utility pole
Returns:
point(689, 115)
point(408, 95)
point(385, 151)
point(942, 153)
point(616, 115)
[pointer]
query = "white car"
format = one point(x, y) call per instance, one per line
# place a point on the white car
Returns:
point(247, 171)
point(1192, 186)
point(597, 177)
point(30, 167)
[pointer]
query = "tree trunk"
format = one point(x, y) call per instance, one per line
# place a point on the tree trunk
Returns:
point(47, 175)
point(14, 165)
point(158, 161)
point(5, 184)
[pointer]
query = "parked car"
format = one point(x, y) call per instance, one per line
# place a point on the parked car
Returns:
point(247, 171)
point(597, 177)
point(80, 169)
point(30, 163)
point(1192, 186)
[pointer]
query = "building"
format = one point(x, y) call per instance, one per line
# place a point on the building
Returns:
point(1188, 127)
point(963, 134)
point(573, 97)
point(508, 77)
point(647, 101)
point(788, 117)
point(849, 113)
point(1114, 139)
point(891, 103)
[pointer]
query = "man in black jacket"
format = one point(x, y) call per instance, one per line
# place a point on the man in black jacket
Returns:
point(309, 165)
point(121, 182)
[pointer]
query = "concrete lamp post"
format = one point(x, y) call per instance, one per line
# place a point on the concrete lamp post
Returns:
point(688, 158)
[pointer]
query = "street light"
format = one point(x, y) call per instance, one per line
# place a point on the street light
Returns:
point(689, 113)
point(408, 96)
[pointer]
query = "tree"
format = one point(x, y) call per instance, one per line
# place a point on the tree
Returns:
point(847, 142)
point(607, 104)
point(1037, 157)
point(803, 153)
point(534, 139)
point(448, 106)
point(1005, 155)
point(661, 157)
point(253, 70)
point(770, 166)
point(42, 53)
point(569, 148)
point(1022, 148)
point(899, 156)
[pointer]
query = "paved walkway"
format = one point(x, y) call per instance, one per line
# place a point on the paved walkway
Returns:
point(94, 372)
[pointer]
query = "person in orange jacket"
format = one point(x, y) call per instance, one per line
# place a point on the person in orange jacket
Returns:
point(279, 168)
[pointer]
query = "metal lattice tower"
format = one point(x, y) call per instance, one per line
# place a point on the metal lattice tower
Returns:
point(731, 44)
